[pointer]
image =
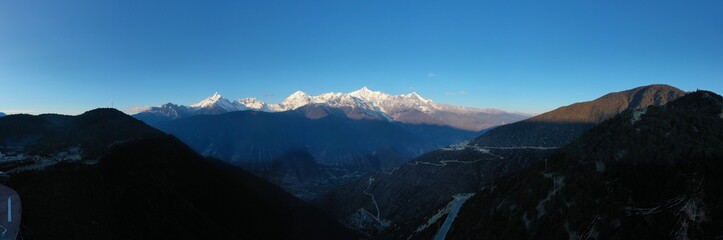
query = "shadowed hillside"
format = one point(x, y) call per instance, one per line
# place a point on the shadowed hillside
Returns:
point(645, 174)
point(93, 131)
point(429, 182)
point(160, 189)
point(130, 181)
point(560, 126)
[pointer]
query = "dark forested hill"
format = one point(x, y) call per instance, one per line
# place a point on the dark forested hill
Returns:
point(652, 173)
point(140, 184)
point(93, 131)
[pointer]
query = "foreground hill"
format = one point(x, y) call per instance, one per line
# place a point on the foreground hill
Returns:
point(386, 203)
point(647, 174)
point(93, 132)
point(144, 185)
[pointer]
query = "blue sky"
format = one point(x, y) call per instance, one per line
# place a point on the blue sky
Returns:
point(530, 56)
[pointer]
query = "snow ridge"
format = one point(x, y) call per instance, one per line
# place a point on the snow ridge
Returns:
point(410, 107)
point(363, 98)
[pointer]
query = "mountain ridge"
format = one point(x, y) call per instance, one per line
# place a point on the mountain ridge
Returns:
point(406, 108)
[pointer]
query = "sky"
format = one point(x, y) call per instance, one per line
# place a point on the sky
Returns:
point(525, 56)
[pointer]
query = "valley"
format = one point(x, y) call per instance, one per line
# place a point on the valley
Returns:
point(309, 145)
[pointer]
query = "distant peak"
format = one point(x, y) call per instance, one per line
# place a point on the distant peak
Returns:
point(364, 89)
point(209, 100)
point(298, 96)
point(297, 99)
point(215, 97)
point(415, 95)
point(365, 93)
point(299, 93)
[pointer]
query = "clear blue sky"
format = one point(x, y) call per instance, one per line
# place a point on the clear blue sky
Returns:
point(532, 56)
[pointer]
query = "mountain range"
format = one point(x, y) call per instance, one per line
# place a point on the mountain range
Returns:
point(385, 204)
point(366, 104)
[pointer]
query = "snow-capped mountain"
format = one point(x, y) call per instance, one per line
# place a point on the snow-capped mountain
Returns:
point(299, 99)
point(406, 108)
point(253, 103)
point(390, 104)
point(216, 100)
point(218, 104)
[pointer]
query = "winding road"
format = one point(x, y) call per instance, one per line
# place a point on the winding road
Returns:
point(442, 163)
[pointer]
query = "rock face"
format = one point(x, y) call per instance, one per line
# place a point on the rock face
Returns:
point(654, 178)
point(430, 181)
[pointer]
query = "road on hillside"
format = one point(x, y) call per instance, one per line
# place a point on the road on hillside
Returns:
point(10, 211)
